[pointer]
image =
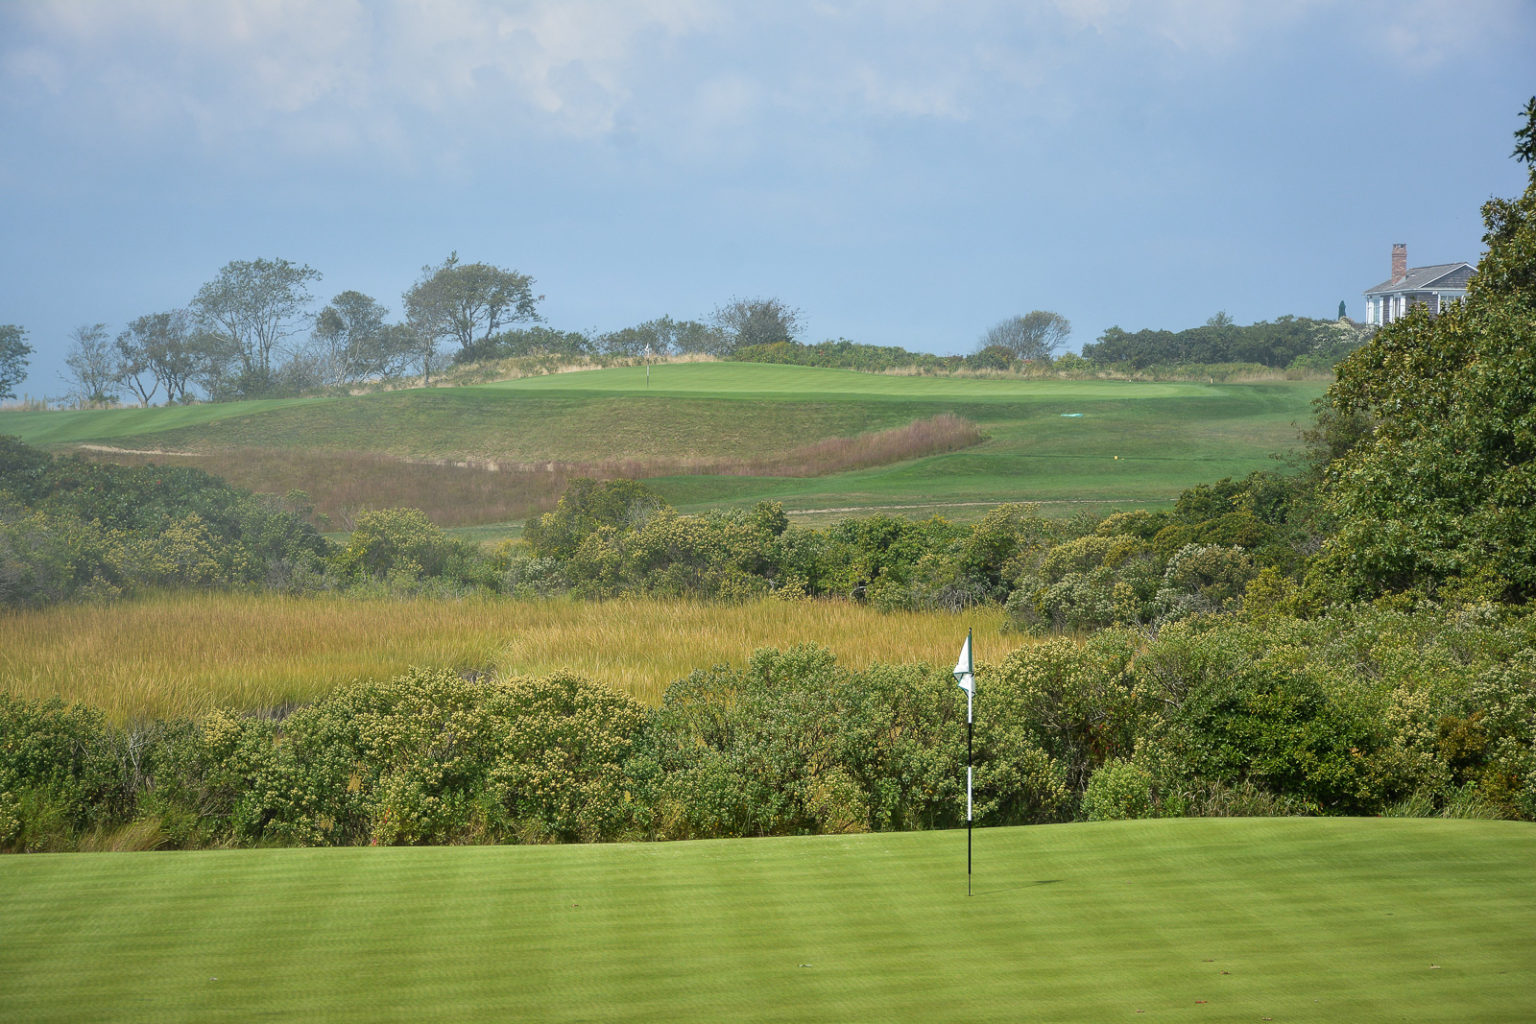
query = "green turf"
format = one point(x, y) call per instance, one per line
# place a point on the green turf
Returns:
point(1230, 920)
point(1098, 445)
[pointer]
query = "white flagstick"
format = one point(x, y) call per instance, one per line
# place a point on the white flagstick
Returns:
point(965, 676)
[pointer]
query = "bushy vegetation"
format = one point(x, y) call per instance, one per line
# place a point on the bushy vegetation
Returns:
point(71, 528)
point(847, 355)
point(1378, 712)
point(1288, 342)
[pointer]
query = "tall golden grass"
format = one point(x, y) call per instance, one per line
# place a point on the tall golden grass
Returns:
point(181, 655)
point(471, 492)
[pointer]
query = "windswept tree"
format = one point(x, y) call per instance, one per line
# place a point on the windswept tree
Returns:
point(14, 351)
point(92, 366)
point(745, 322)
point(158, 350)
point(468, 302)
point(1036, 335)
point(256, 305)
point(353, 341)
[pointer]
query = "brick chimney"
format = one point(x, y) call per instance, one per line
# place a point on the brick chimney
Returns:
point(1399, 261)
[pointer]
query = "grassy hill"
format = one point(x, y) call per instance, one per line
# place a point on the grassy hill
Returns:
point(702, 434)
point(1232, 919)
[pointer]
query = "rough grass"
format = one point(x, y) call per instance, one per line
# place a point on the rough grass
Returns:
point(181, 655)
point(474, 491)
point(1227, 919)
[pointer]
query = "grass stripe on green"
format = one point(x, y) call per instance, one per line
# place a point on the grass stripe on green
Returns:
point(1357, 920)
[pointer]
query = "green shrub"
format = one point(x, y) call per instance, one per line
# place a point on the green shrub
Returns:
point(60, 770)
point(1118, 789)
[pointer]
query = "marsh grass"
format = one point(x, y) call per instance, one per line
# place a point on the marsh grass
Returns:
point(182, 655)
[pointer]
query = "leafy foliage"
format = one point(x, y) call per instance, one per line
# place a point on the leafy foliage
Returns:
point(1440, 496)
point(14, 351)
point(1287, 341)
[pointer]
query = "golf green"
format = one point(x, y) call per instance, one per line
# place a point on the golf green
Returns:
point(1230, 920)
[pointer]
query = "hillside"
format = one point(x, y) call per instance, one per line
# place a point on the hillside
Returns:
point(707, 434)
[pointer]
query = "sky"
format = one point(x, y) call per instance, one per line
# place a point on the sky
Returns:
point(904, 173)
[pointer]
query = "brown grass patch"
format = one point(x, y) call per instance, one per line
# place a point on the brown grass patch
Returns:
point(471, 492)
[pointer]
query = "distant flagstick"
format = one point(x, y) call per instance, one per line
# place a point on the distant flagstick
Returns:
point(965, 675)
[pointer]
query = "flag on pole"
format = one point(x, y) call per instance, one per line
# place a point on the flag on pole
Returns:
point(965, 669)
point(965, 676)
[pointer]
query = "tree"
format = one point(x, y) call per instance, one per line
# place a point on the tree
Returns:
point(160, 346)
point(92, 363)
point(256, 305)
point(14, 351)
point(744, 322)
point(662, 336)
point(467, 302)
point(1035, 335)
point(353, 342)
point(1439, 496)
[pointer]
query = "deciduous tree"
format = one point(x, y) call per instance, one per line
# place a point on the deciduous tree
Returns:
point(744, 322)
point(257, 305)
point(92, 363)
point(353, 342)
point(14, 351)
point(468, 302)
point(1036, 335)
point(161, 348)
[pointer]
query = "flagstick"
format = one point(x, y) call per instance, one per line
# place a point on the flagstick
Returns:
point(965, 675)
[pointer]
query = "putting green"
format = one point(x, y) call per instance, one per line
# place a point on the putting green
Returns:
point(1233, 920)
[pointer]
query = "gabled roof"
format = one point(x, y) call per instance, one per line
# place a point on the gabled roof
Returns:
point(1418, 279)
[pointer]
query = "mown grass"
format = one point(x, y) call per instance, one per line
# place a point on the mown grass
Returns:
point(181, 655)
point(1230, 919)
point(701, 426)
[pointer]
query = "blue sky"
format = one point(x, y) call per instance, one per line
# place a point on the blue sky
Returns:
point(904, 173)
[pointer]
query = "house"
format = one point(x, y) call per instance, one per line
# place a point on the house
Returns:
point(1435, 287)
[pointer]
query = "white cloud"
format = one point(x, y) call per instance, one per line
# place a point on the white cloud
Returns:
point(414, 81)
point(286, 66)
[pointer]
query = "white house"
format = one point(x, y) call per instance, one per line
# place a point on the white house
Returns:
point(1435, 287)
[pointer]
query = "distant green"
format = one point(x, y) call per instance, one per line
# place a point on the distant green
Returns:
point(1218, 919)
point(1128, 444)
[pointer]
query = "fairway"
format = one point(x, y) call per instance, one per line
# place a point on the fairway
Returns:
point(1229, 920)
point(699, 430)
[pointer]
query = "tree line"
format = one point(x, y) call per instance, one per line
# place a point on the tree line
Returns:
point(252, 332)
point(1288, 342)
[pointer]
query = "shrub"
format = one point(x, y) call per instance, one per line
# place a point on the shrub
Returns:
point(1118, 789)
point(59, 773)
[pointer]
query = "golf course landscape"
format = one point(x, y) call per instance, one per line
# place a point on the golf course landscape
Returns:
point(864, 513)
point(713, 434)
point(205, 709)
point(1185, 920)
